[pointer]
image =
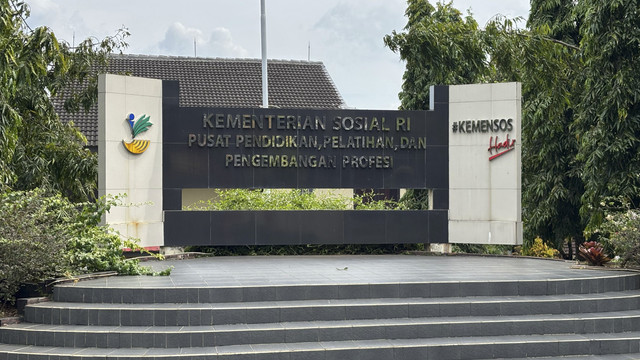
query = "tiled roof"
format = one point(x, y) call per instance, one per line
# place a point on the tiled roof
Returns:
point(215, 82)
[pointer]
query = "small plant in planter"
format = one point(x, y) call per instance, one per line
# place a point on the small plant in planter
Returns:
point(593, 253)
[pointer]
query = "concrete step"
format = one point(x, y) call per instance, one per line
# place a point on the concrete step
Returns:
point(405, 328)
point(635, 356)
point(158, 290)
point(196, 314)
point(459, 348)
point(269, 311)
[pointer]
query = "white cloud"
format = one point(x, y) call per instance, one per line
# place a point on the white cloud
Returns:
point(72, 20)
point(483, 11)
point(349, 38)
point(45, 13)
point(221, 44)
point(345, 34)
point(179, 40)
point(361, 26)
point(42, 6)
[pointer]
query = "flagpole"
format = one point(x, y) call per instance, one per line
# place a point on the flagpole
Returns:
point(265, 80)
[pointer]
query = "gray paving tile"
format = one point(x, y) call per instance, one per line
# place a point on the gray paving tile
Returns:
point(377, 298)
point(393, 269)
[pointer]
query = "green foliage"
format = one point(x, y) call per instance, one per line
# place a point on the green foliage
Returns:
point(246, 199)
point(485, 249)
point(36, 148)
point(551, 181)
point(440, 47)
point(44, 236)
point(559, 17)
point(540, 249)
point(577, 62)
point(293, 199)
point(32, 238)
point(416, 199)
point(621, 229)
point(281, 250)
point(608, 117)
point(367, 201)
point(593, 253)
point(93, 247)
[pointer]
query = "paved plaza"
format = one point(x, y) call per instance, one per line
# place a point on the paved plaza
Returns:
point(349, 269)
point(399, 307)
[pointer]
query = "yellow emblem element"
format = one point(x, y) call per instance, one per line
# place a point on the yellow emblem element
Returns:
point(139, 126)
point(136, 146)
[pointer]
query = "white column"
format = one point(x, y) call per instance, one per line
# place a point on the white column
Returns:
point(485, 189)
point(139, 176)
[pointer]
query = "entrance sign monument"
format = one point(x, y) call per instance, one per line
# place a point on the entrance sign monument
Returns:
point(465, 151)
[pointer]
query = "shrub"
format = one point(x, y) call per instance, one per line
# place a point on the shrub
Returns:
point(621, 229)
point(33, 237)
point(416, 199)
point(44, 236)
point(367, 201)
point(593, 253)
point(308, 249)
point(484, 249)
point(92, 247)
point(293, 199)
point(540, 249)
point(246, 199)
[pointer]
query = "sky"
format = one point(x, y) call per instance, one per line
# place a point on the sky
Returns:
point(346, 35)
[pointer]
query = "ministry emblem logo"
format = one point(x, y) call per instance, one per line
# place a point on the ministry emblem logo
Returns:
point(138, 126)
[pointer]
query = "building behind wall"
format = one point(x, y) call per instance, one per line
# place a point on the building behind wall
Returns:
point(224, 83)
point(221, 83)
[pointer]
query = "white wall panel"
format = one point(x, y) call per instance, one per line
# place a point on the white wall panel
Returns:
point(139, 176)
point(484, 196)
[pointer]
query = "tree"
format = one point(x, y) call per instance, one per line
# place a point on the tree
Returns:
point(36, 148)
point(440, 46)
point(600, 47)
point(550, 63)
point(44, 237)
point(557, 58)
point(608, 115)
